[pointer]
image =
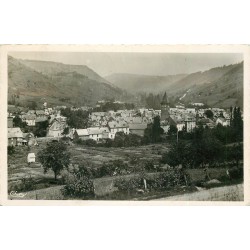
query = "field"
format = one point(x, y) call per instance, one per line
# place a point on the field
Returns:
point(47, 189)
point(87, 156)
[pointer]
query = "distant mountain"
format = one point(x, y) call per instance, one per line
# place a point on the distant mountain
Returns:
point(143, 83)
point(200, 78)
point(57, 83)
point(218, 87)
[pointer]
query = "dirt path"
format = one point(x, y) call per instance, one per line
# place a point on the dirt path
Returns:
point(226, 193)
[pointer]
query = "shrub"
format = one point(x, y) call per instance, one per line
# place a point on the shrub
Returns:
point(78, 185)
point(11, 150)
point(150, 167)
point(27, 184)
point(112, 168)
point(128, 185)
point(236, 173)
point(79, 141)
point(108, 143)
point(157, 182)
point(90, 142)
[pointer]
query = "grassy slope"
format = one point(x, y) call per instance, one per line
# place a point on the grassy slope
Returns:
point(30, 84)
point(223, 90)
point(53, 68)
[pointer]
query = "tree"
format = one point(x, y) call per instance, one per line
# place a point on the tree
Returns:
point(119, 139)
point(209, 113)
point(132, 140)
point(76, 119)
point(172, 130)
point(237, 124)
point(17, 121)
point(41, 129)
point(179, 155)
point(236, 153)
point(33, 105)
point(157, 131)
point(154, 131)
point(65, 131)
point(176, 154)
point(54, 156)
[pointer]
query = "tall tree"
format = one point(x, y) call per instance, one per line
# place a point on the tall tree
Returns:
point(157, 131)
point(237, 124)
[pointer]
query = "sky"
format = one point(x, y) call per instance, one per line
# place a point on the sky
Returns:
point(137, 63)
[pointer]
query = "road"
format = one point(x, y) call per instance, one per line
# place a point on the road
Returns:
point(226, 193)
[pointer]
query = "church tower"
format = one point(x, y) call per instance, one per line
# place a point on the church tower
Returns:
point(165, 108)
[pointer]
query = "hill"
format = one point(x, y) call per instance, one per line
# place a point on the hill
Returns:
point(143, 83)
point(218, 87)
point(53, 68)
point(57, 83)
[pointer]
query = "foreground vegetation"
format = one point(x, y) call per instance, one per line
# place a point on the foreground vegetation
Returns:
point(137, 170)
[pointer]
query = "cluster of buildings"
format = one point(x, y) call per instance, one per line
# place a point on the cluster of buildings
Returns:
point(189, 118)
point(32, 119)
point(105, 125)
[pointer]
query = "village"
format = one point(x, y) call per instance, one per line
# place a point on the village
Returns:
point(105, 125)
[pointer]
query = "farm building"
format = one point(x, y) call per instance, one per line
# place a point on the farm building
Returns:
point(81, 134)
point(31, 157)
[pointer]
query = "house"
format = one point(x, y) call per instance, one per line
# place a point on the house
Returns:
point(15, 137)
point(223, 121)
point(95, 133)
point(190, 123)
point(48, 111)
point(118, 127)
point(178, 121)
point(40, 113)
point(81, 134)
point(56, 128)
point(137, 129)
point(30, 119)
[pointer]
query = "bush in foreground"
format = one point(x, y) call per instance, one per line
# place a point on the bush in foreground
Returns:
point(156, 182)
point(78, 185)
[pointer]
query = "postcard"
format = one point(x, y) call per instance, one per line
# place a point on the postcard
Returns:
point(124, 124)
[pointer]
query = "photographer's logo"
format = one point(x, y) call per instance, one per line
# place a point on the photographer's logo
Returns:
point(15, 194)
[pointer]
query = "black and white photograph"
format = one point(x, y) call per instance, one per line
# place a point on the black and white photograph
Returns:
point(125, 125)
